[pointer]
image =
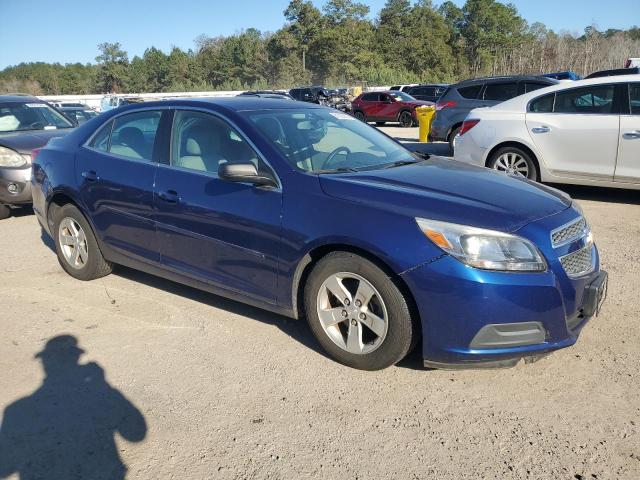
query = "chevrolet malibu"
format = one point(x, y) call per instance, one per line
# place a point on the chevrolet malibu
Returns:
point(310, 213)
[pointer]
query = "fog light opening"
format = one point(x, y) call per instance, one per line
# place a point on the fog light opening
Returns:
point(12, 188)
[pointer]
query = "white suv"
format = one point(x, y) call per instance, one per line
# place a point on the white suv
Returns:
point(586, 132)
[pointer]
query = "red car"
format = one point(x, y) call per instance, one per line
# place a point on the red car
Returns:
point(391, 106)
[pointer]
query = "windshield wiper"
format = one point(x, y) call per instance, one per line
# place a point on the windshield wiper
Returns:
point(337, 170)
point(401, 163)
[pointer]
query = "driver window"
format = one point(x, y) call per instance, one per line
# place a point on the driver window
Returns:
point(203, 142)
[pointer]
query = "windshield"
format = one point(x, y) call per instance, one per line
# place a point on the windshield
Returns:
point(319, 140)
point(402, 97)
point(16, 117)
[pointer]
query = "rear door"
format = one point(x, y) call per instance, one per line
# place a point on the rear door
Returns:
point(116, 171)
point(576, 131)
point(371, 105)
point(628, 165)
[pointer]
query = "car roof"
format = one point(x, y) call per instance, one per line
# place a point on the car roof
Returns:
point(520, 102)
point(234, 104)
point(18, 97)
point(474, 81)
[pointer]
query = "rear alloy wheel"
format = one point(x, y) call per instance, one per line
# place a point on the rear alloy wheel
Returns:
point(5, 211)
point(360, 116)
point(357, 313)
point(405, 119)
point(76, 246)
point(514, 161)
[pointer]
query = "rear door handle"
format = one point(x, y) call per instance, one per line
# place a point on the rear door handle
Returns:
point(631, 135)
point(170, 196)
point(90, 176)
point(542, 129)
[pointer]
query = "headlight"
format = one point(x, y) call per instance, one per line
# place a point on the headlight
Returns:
point(486, 249)
point(11, 158)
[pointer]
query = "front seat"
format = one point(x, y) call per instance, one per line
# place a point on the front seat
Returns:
point(198, 151)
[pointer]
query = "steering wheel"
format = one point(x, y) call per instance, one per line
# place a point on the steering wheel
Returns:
point(332, 155)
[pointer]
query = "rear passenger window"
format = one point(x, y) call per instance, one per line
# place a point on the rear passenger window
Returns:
point(470, 92)
point(500, 91)
point(596, 99)
point(542, 104)
point(134, 135)
point(634, 98)
point(370, 97)
point(100, 140)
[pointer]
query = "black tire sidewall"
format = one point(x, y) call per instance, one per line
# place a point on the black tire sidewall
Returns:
point(401, 115)
point(452, 136)
point(92, 269)
point(5, 211)
point(360, 116)
point(401, 326)
point(533, 170)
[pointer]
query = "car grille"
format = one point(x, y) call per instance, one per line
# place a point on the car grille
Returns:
point(569, 232)
point(579, 262)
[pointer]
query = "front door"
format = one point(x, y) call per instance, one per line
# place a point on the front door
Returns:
point(222, 233)
point(628, 165)
point(116, 172)
point(577, 134)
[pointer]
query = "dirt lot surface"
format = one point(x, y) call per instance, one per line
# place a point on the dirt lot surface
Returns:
point(209, 388)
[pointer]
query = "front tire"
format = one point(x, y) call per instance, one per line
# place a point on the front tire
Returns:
point(76, 245)
point(514, 161)
point(5, 212)
point(357, 312)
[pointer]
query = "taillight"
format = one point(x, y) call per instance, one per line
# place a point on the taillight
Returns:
point(34, 153)
point(441, 105)
point(468, 125)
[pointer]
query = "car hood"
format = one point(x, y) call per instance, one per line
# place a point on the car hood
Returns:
point(450, 191)
point(24, 142)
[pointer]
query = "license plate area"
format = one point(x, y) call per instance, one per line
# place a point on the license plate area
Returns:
point(595, 295)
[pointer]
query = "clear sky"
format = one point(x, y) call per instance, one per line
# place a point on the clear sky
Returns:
point(69, 30)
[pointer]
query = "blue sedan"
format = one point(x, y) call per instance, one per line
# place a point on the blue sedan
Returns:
point(307, 212)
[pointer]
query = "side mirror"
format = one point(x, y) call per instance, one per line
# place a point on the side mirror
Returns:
point(244, 173)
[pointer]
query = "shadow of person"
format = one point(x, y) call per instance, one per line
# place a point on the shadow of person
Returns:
point(65, 429)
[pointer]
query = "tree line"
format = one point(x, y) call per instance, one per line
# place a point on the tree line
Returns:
point(340, 44)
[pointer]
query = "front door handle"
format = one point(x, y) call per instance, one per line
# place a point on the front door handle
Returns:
point(542, 129)
point(631, 135)
point(170, 196)
point(90, 176)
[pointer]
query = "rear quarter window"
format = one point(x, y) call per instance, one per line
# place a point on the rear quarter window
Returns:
point(542, 104)
point(634, 98)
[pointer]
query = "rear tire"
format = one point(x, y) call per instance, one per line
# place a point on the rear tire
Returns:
point(372, 327)
point(76, 245)
point(452, 138)
point(5, 212)
point(405, 119)
point(360, 116)
point(514, 160)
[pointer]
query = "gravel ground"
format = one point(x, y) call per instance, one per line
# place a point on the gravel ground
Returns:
point(232, 392)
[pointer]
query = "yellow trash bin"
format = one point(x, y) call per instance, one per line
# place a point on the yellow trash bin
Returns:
point(425, 116)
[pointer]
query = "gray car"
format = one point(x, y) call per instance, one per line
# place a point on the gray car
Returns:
point(26, 123)
point(459, 99)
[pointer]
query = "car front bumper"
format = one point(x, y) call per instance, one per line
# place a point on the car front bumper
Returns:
point(475, 318)
point(15, 185)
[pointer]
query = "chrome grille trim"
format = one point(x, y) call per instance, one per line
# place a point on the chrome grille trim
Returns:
point(580, 262)
point(569, 232)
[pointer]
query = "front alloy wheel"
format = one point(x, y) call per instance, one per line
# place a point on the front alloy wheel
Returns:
point(358, 313)
point(352, 313)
